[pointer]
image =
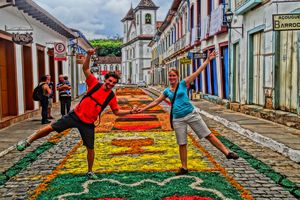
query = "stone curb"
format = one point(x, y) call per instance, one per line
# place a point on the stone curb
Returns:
point(6, 151)
point(258, 138)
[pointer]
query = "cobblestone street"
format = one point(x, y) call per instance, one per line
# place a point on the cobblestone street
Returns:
point(136, 157)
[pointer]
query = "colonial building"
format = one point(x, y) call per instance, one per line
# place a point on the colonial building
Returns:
point(257, 70)
point(191, 27)
point(22, 65)
point(265, 62)
point(139, 28)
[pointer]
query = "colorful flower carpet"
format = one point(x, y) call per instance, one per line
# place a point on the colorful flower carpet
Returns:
point(136, 157)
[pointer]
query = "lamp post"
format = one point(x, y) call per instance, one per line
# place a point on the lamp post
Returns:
point(229, 17)
point(72, 56)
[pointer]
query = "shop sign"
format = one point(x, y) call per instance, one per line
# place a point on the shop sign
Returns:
point(22, 39)
point(185, 61)
point(60, 51)
point(199, 55)
point(286, 22)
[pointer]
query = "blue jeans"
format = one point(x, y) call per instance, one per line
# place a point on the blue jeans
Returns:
point(44, 103)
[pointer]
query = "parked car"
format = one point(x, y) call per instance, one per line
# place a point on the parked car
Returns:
point(142, 84)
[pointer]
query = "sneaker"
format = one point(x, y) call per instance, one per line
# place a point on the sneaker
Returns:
point(182, 171)
point(232, 155)
point(91, 176)
point(22, 145)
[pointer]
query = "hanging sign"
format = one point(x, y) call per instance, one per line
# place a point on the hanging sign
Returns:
point(286, 22)
point(60, 51)
point(199, 55)
point(185, 61)
point(22, 39)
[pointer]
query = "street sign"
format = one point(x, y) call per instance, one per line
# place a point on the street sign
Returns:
point(60, 51)
point(22, 39)
point(286, 22)
point(185, 61)
point(199, 55)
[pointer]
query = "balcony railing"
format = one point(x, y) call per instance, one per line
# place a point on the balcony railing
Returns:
point(177, 45)
point(171, 50)
point(183, 41)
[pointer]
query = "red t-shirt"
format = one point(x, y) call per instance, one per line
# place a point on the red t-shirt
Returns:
point(88, 110)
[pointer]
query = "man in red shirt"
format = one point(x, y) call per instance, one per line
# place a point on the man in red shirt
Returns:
point(85, 114)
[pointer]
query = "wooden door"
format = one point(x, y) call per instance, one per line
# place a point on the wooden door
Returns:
point(214, 78)
point(225, 72)
point(9, 102)
point(27, 78)
point(41, 63)
point(60, 67)
point(288, 72)
point(236, 73)
point(3, 78)
point(257, 67)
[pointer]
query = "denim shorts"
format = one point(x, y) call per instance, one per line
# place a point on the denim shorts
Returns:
point(87, 131)
point(195, 121)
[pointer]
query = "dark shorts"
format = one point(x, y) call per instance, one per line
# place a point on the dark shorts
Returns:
point(87, 131)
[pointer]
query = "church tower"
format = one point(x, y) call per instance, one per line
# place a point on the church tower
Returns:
point(145, 15)
point(127, 20)
point(139, 29)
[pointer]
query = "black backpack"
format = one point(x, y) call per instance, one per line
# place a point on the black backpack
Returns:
point(106, 102)
point(38, 92)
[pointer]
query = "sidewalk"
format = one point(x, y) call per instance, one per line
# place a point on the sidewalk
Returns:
point(11, 135)
point(280, 138)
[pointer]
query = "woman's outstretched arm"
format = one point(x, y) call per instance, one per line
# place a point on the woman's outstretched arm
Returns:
point(193, 76)
point(153, 103)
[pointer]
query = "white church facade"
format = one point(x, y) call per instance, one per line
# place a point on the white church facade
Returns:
point(139, 28)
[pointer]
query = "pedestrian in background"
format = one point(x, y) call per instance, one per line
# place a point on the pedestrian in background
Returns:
point(184, 113)
point(46, 91)
point(69, 97)
point(50, 99)
point(62, 88)
point(191, 88)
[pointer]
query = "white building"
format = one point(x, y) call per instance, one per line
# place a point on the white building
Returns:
point(265, 63)
point(139, 28)
point(23, 65)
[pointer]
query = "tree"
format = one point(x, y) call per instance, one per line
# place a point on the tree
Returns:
point(106, 47)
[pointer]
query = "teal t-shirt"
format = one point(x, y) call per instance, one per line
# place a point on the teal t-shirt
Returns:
point(182, 105)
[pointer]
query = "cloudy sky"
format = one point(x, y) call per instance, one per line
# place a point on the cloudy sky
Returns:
point(96, 18)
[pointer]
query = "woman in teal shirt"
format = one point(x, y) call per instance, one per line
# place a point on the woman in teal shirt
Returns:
point(184, 113)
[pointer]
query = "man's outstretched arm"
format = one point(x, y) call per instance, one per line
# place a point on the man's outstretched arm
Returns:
point(86, 64)
point(120, 112)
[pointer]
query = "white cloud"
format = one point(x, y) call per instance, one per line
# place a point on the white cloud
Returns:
point(96, 18)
